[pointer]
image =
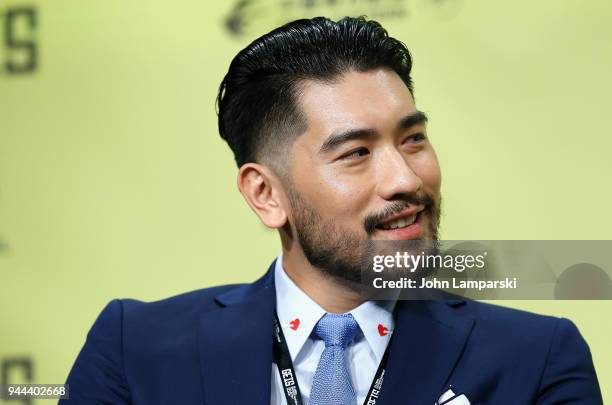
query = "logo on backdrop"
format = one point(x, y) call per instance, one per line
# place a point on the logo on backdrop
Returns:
point(18, 44)
point(17, 370)
point(248, 18)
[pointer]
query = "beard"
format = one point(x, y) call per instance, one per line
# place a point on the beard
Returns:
point(338, 252)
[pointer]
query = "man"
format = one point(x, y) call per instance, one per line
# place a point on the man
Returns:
point(331, 151)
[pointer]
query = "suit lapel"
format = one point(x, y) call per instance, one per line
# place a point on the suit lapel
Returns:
point(235, 342)
point(428, 340)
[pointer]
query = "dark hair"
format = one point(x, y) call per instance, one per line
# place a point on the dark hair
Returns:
point(257, 100)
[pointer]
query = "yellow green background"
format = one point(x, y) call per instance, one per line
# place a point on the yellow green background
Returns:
point(114, 182)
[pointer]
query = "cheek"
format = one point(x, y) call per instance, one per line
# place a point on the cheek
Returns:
point(337, 194)
point(428, 170)
point(325, 187)
point(335, 184)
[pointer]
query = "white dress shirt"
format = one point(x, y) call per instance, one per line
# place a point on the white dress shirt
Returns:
point(364, 354)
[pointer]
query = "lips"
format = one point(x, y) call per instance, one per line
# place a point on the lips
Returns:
point(403, 226)
point(399, 223)
point(403, 219)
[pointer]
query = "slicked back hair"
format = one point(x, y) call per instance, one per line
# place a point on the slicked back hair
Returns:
point(258, 110)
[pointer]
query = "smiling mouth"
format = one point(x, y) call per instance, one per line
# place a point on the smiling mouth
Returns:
point(403, 226)
point(401, 220)
point(398, 223)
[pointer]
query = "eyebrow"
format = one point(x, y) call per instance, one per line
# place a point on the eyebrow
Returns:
point(338, 138)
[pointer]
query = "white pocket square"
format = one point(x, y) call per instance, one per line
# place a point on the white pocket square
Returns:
point(450, 398)
point(458, 400)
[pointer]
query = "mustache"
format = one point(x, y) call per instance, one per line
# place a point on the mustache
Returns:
point(396, 207)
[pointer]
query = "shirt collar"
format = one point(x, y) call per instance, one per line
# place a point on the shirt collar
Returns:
point(298, 314)
point(375, 318)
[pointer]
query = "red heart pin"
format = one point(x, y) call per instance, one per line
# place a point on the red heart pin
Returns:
point(294, 324)
point(382, 330)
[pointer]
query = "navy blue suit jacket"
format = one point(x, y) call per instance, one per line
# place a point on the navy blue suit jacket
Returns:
point(214, 347)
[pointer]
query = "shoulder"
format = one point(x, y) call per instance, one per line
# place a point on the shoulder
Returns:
point(133, 330)
point(170, 315)
point(487, 312)
point(177, 308)
point(196, 300)
point(517, 325)
point(513, 335)
point(137, 341)
point(549, 349)
point(552, 344)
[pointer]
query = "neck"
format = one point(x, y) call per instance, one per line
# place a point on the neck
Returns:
point(332, 295)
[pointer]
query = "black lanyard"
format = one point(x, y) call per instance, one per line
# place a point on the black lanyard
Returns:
point(282, 358)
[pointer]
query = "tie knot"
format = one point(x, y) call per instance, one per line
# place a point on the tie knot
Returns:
point(336, 329)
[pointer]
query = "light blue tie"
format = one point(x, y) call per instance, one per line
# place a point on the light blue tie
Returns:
point(331, 384)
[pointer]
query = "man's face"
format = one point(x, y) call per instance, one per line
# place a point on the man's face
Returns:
point(364, 169)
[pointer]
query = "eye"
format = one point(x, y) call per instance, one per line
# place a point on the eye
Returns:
point(416, 138)
point(355, 154)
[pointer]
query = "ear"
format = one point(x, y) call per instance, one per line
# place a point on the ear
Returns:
point(262, 190)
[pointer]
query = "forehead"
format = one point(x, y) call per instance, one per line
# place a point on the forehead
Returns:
point(375, 99)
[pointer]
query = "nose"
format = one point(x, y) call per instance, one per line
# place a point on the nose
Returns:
point(395, 176)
